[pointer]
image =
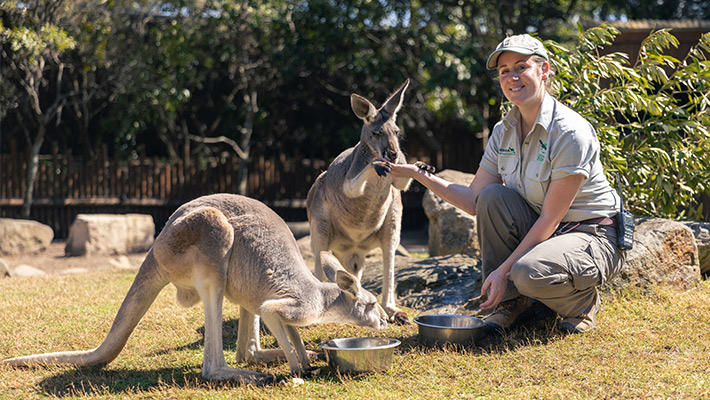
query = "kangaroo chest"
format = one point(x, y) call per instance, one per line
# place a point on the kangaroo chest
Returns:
point(360, 220)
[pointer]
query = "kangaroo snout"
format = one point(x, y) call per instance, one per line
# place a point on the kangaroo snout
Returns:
point(390, 155)
point(382, 325)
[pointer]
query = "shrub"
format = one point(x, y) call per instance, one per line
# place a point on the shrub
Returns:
point(651, 117)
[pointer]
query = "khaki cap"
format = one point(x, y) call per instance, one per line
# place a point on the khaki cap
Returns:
point(521, 44)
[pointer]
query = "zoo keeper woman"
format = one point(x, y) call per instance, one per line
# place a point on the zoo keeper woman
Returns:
point(545, 211)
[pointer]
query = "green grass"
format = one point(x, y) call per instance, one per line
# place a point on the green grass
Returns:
point(653, 345)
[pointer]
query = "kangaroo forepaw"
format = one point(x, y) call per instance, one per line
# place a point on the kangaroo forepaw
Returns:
point(242, 376)
point(269, 380)
point(425, 167)
point(382, 168)
point(400, 318)
point(309, 372)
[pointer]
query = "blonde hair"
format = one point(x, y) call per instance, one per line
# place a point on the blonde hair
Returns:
point(548, 83)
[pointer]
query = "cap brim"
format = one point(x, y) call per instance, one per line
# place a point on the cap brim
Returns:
point(493, 58)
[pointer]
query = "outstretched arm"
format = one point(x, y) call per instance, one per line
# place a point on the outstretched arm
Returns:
point(461, 196)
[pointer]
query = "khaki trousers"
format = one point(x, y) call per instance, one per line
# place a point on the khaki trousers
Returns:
point(562, 272)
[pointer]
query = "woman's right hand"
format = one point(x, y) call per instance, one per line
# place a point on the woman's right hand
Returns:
point(400, 170)
point(495, 285)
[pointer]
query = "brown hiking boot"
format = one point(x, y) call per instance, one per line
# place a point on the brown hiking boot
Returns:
point(505, 315)
point(583, 323)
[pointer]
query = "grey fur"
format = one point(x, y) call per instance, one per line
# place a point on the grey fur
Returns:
point(355, 205)
point(230, 246)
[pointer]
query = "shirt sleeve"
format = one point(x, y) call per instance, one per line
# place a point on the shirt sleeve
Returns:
point(489, 161)
point(575, 152)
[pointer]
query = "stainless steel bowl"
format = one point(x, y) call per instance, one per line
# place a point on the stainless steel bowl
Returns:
point(354, 355)
point(440, 329)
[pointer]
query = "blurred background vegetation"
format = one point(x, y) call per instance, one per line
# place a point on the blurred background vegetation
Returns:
point(193, 79)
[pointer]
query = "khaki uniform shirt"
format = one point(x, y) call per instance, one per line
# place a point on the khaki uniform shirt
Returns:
point(561, 143)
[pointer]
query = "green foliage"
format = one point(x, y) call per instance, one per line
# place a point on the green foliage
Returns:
point(33, 43)
point(651, 117)
point(156, 74)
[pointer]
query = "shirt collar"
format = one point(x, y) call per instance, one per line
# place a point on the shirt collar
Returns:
point(544, 117)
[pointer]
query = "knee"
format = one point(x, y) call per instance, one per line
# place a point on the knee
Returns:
point(490, 196)
point(523, 275)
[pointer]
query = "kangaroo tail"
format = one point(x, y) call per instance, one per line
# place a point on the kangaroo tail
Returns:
point(148, 283)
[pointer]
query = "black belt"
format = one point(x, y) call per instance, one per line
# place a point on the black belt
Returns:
point(606, 221)
point(570, 226)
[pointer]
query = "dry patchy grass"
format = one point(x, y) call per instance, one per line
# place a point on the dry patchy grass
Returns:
point(653, 345)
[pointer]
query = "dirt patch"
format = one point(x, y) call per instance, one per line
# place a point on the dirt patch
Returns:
point(53, 260)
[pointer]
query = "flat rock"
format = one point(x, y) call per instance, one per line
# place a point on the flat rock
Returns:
point(111, 234)
point(4, 269)
point(25, 270)
point(21, 236)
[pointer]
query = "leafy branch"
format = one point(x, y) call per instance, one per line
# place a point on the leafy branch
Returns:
point(651, 117)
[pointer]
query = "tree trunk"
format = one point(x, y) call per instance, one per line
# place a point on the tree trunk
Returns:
point(247, 129)
point(31, 177)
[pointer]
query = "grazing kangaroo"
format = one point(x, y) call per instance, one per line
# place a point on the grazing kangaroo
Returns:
point(231, 246)
point(354, 206)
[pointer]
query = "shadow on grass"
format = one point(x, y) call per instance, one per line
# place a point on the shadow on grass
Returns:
point(94, 381)
point(537, 330)
point(536, 327)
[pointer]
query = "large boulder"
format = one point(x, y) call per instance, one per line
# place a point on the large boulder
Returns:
point(21, 236)
point(436, 283)
point(110, 234)
point(664, 253)
point(701, 231)
point(451, 230)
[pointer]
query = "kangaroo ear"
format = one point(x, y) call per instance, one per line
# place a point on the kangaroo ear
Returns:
point(330, 265)
point(348, 283)
point(393, 104)
point(363, 108)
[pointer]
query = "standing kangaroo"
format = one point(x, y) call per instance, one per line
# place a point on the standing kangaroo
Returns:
point(354, 206)
point(232, 246)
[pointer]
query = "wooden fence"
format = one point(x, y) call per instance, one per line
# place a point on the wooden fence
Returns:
point(68, 185)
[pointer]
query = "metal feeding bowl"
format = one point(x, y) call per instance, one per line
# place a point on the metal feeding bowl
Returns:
point(440, 329)
point(355, 355)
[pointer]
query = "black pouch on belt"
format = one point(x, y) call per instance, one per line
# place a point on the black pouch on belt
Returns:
point(624, 224)
point(624, 230)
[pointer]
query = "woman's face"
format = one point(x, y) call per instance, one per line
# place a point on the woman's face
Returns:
point(522, 78)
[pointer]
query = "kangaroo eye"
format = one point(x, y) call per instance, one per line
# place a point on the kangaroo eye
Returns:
point(377, 132)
